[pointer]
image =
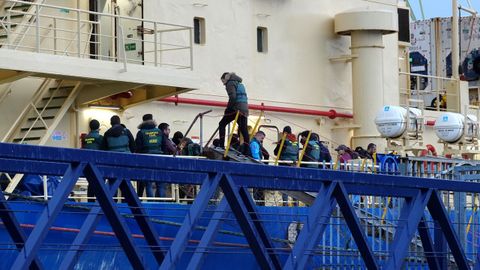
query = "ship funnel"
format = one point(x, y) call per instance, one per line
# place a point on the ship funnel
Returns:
point(366, 28)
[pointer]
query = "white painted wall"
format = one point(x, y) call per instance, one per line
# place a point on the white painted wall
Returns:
point(295, 72)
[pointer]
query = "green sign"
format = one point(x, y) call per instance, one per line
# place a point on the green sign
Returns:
point(130, 47)
point(64, 10)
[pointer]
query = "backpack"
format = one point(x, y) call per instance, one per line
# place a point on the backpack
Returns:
point(361, 152)
point(324, 153)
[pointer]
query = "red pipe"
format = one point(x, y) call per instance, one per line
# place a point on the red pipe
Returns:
point(332, 114)
point(430, 123)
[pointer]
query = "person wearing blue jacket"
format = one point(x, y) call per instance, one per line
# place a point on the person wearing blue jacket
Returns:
point(256, 145)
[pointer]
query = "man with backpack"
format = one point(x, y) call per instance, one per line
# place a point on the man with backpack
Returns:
point(312, 151)
point(290, 147)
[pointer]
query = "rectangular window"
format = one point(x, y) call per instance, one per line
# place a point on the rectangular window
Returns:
point(199, 30)
point(262, 39)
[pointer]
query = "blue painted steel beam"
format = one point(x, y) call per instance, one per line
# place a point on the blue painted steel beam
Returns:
point(117, 222)
point(427, 244)
point(257, 221)
point(47, 217)
point(193, 215)
point(141, 217)
point(208, 236)
point(318, 217)
point(245, 222)
point(86, 231)
point(410, 216)
point(353, 224)
point(14, 229)
point(438, 212)
point(288, 177)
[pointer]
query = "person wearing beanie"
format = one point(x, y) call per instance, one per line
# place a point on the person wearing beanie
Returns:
point(237, 102)
point(93, 140)
point(148, 141)
point(118, 138)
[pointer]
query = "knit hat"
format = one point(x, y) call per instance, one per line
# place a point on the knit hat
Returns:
point(94, 124)
point(147, 117)
point(115, 120)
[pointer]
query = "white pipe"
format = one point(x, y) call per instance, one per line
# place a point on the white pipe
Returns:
point(455, 38)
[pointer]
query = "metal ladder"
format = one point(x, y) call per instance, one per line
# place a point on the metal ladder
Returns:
point(41, 116)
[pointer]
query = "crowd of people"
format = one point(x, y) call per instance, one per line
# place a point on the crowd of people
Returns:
point(150, 139)
point(153, 139)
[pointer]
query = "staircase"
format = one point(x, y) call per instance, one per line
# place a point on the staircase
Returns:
point(20, 15)
point(43, 113)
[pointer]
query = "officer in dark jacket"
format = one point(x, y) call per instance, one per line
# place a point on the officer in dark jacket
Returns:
point(148, 141)
point(312, 151)
point(118, 138)
point(237, 101)
point(93, 140)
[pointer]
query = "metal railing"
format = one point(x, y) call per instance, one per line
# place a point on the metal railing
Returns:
point(68, 31)
point(432, 90)
point(381, 220)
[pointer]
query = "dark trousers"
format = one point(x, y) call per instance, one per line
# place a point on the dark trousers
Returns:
point(242, 122)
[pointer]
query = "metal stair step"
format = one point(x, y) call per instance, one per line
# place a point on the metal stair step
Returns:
point(24, 7)
point(61, 88)
point(26, 139)
point(57, 97)
point(44, 118)
point(34, 128)
point(13, 16)
point(49, 108)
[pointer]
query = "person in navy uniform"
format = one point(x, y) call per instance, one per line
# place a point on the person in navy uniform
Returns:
point(118, 138)
point(93, 141)
point(148, 141)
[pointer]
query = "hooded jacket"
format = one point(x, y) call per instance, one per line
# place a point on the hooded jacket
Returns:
point(237, 95)
point(149, 138)
point(119, 139)
point(290, 148)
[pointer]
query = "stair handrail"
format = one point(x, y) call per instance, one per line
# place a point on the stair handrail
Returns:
point(41, 89)
point(39, 114)
point(38, 7)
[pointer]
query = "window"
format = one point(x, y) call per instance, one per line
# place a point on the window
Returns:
point(199, 30)
point(262, 39)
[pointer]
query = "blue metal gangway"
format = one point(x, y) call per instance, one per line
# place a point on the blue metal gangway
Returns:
point(423, 212)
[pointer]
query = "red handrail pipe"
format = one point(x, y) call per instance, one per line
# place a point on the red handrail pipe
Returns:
point(332, 114)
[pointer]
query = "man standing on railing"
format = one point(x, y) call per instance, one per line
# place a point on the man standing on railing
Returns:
point(237, 102)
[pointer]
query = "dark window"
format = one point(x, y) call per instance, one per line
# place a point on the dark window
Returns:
point(262, 39)
point(199, 30)
point(404, 25)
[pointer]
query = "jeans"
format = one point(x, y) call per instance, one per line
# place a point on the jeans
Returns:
point(161, 191)
point(145, 186)
point(242, 122)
